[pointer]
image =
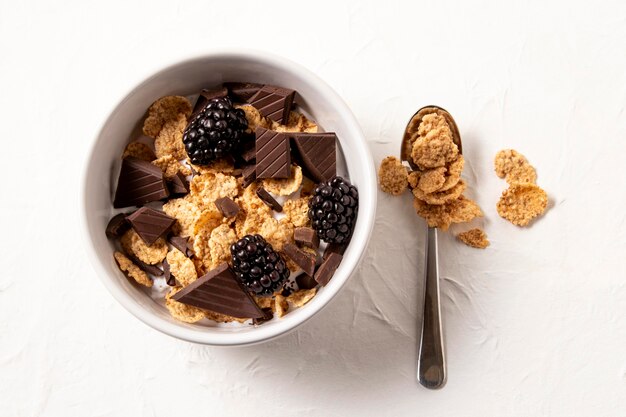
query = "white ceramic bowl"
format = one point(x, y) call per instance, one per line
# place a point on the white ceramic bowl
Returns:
point(186, 78)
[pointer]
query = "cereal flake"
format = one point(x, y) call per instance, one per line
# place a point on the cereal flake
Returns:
point(180, 311)
point(520, 203)
point(301, 297)
point(139, 150)
point(171, 166)
point(297, 212)
point(475, 238)
point(442, 197)
point(181, 267)
point(169, 141)
point(131, 270)
point(392, 176)
point(285, 186)
point(164, 110)
point(514, 167)
point(134, 244)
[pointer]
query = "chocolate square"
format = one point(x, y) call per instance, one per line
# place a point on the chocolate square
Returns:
point(273, 156)
point(273, 102)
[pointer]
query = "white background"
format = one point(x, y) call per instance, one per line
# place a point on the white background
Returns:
point(535, 325)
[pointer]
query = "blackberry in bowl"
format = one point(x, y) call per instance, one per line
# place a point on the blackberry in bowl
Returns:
point(333, 210)
point(257, 265)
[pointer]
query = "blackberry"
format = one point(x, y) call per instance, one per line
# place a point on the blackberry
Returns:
point(257, 265)
point(214, 131)
point(333, 210)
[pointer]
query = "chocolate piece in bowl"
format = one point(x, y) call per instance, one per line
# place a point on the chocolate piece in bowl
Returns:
point(306, 237)
point(303, 259)
point(140, 182)
point(318, 154)
point(150, 269)
point(227, 207)
point(241, 92)
point(273, 156)
point(206, 95)
point(268, 199)
point(305, 282)
point(117, 226)
point(248, 175)
point(327, 269)
point(338, 248)
point(150, 224)
point(183, 244)
point(273, 102)
point(220, 291)
point(178, 184)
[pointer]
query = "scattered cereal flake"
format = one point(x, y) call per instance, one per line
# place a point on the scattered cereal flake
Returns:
point(204, 189)
point(180, 311)
point(219, 244)
point(134, 244)
point(131, 270)
point(181, 267)
point(522, 202)
point(170, 166)
point(457, 211)
point(442, 197)
point(475, 238)
point(434, 150)
point(453, 174)
point(463, 210)
point(139, 150)
point(285, 186)
point(169, 141)
point(164, 110)
point(301, 297)
point(431, 180)
point(222, 318)
point(514, 167)
point(297, 211)
point(185, 211)
point(280, 306)
point(223, 165)
point(297, 122)
point(392, 176)
point(254, 117)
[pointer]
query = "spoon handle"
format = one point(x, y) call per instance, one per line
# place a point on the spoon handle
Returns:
point(431, 364)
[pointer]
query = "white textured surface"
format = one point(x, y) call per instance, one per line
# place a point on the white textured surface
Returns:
point(535, 325)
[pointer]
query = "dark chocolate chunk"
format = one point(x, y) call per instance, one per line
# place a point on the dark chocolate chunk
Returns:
point(167, 274)
point(248, 174)
point(273, 156)
point(140, 182)
point(327, 269)
point(306, 237)
point(206, 95)
point(338, 248)
point(117, 226)
point(318, 154)
point(268, 199)
point(273, 102)
point(178, 184)
point(305, 282)
point(220, 291)
point(227, 207)
point(183, 244)
point(303, 259)
point(150, 269)
point(150, 224)
point(241, 92)
point(249, 154)
point(269, 314)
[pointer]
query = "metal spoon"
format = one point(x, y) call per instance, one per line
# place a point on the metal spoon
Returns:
point(431, 362)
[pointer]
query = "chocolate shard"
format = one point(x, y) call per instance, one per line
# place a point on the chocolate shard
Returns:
point(306, 237)
point(268, 199)
point(140, 182)
point(273, 156)
point(273, 102)
point(327, 269)
point(303, 259)
point(167, 274)
point(318, 154)
point(220, 291)
point(338, 248)
point(183, 244)
point(305, 282)
point(178, 184)
point(206, 95)
point(150, 269)
point(117, 226)
point(248, 175)
point(269, 314)
point(249, 154)
point(241, 92)
point(150, 224)
point(227, 207)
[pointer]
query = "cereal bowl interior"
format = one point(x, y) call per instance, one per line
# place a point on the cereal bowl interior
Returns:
point(316, 99)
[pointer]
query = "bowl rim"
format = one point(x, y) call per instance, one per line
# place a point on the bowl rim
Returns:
point(360, 238)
